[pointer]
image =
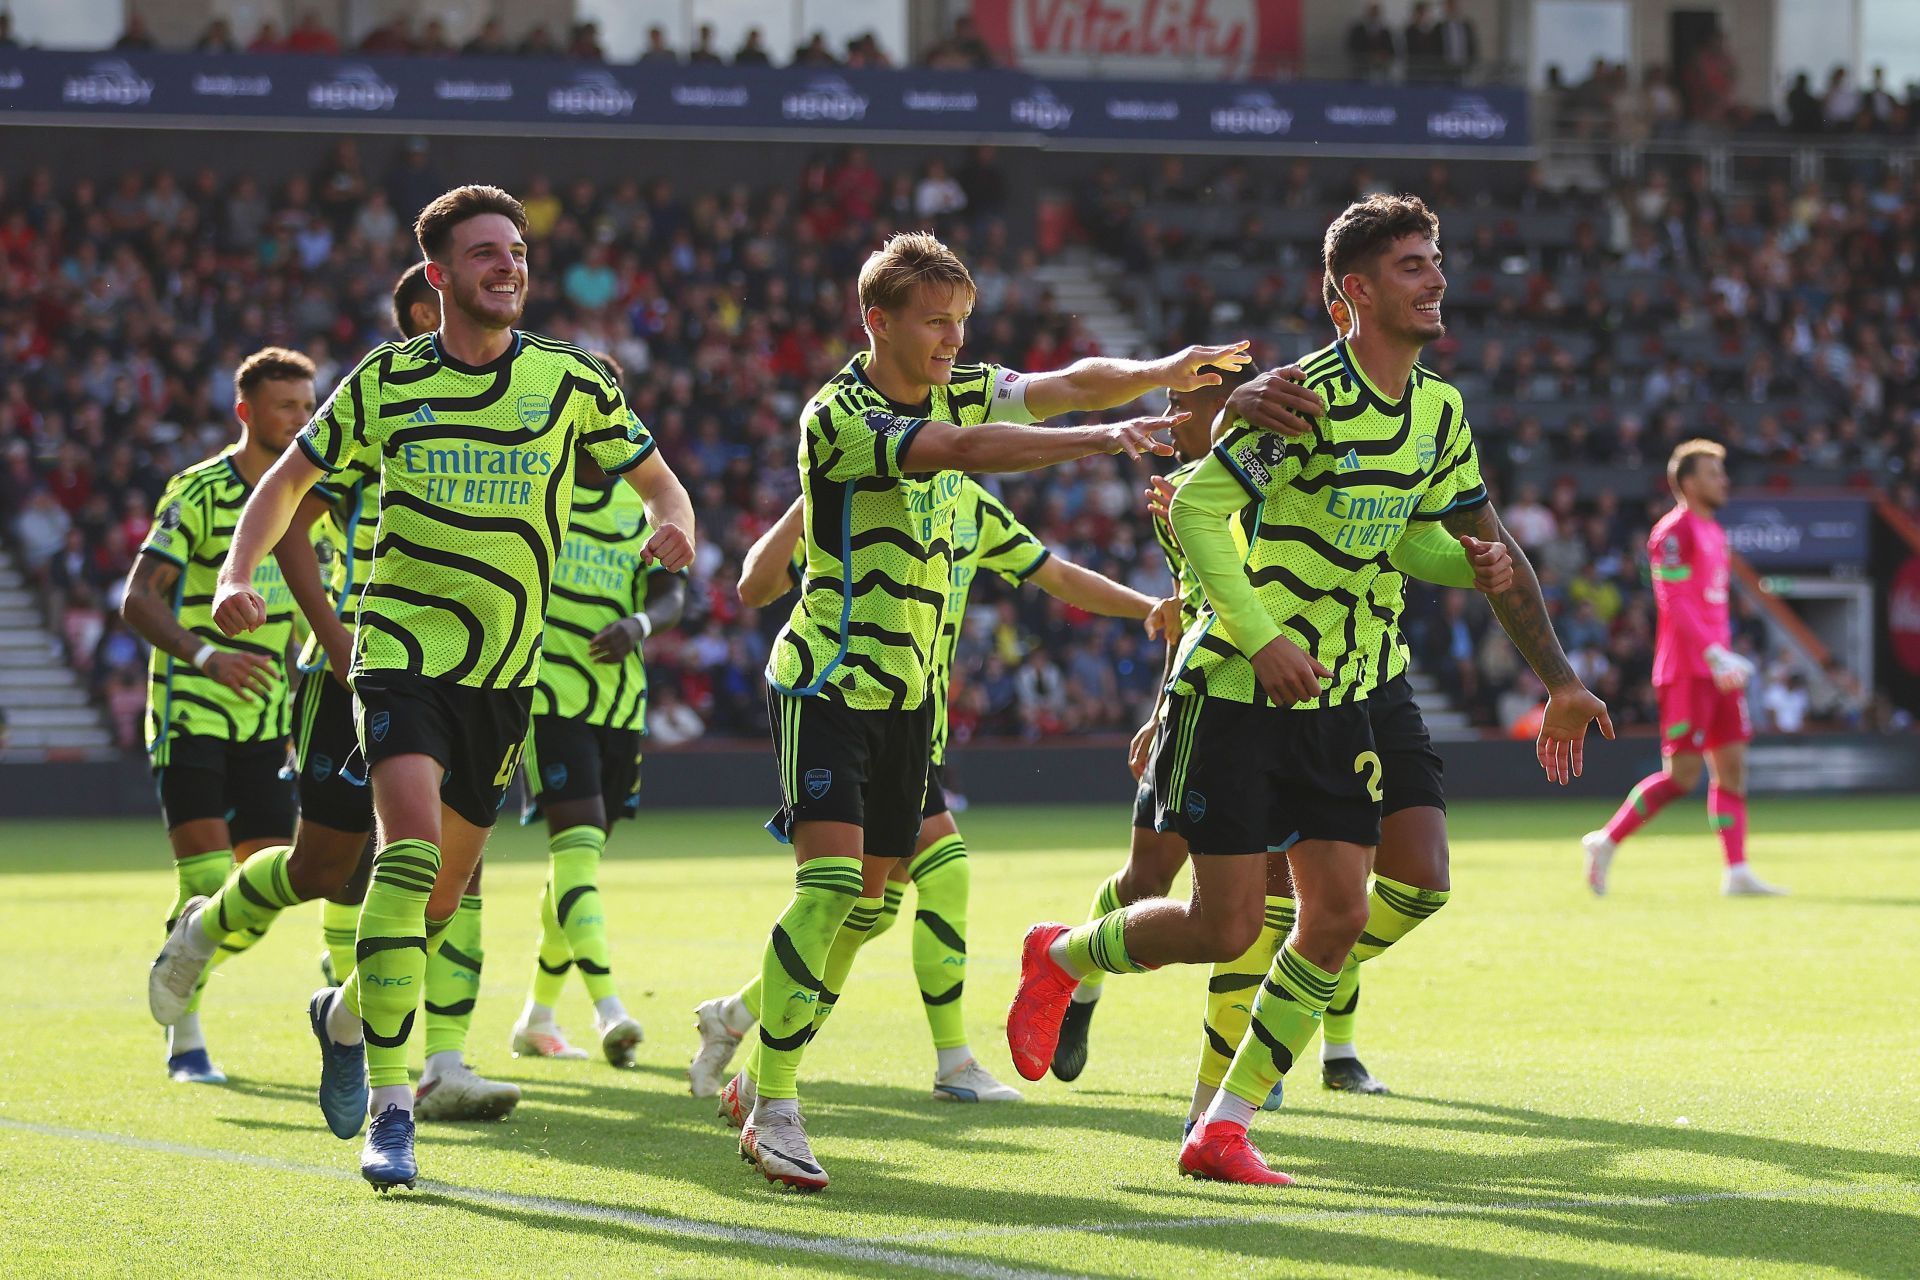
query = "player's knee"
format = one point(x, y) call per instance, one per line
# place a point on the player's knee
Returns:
point(1232, 937)
point(1684, 771)
point(1145, 878)
point(1332, 930)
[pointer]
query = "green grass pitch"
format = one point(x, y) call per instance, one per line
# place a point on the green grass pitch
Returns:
point(1660, 1083)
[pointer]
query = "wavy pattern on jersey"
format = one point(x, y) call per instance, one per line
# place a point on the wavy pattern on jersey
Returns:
point(344, 539)
point(598, 579)
point(475, 494)
point(193, 529)
point(878, 545)
point(1330, 511)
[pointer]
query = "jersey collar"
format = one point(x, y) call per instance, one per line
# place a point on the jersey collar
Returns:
point(922, 410)
point(1381, 401)
point(494, 365)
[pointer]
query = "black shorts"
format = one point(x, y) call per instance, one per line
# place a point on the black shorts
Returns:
point(936, 802)
point(244, 784)
point(572, 760)
point(333, 773)
point(869, 768)
point(1413, 775)
point(1236, 778)
point(476, 734)
point(1145, 815)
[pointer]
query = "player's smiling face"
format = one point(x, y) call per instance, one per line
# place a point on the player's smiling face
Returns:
point(485, 274)
point(924, 337)
point(1408, 286)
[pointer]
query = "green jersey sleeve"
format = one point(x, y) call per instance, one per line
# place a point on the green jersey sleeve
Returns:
point(338, 433)
point(611, 432)
point(179, 525)
point(1427, 552)
point(862, 443)
point(1456, 483)
point(1245, 463)
point(1007, 547)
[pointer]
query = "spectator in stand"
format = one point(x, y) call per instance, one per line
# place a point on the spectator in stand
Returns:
point(1459, 43)
point(537, 43)
point(394, 36)
point(964, 50)
point(310, 35)
point(1423, 44)
point(217, 38)
point(135, 37)
point(658, 52)
point(1370, 47)
point(1708, 81)
point(1805, 111)
point(938, 195)
point(1841, 103)
point(815, 53)
point(864, 51)
point(752, 52)
point(583, 44)
point(433, 42)
point(703, 54)
point(267, 40)
point(490, 41)
point(6, 32)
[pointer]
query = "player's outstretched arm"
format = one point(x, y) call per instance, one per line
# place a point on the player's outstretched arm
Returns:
point(1091, 590)
point(237, 607)
point(300, 567)
point(669, 511)
point(1001, 448)
point(1101, 382)
point(1426, 552)
point(763, 574)
point(1522, 612)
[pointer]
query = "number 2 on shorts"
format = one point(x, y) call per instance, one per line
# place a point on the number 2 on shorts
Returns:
point(1368, 762)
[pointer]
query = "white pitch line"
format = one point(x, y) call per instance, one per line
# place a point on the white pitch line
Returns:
point(825, 1246)
point(1446, 1210)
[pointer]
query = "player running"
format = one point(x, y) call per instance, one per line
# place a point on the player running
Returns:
point(986, 536)
point(582, 762)
point(475, 429)
point(333, 535)
point(1700, 679)
point(1413, 834)
point(1266, 742)
point(882, 452)
point(217, 709)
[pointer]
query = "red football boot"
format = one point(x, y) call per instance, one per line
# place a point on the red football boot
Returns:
point(1033, 1021)
point(1220, 1152)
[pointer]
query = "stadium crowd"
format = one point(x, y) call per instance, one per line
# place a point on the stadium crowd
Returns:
point(125, 307)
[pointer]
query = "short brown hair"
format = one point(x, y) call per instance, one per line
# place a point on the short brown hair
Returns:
point(906, 260)
point(434, 227)
point(1686, 456)
point(270, 364)
point(410, 288)
point(1366, 228)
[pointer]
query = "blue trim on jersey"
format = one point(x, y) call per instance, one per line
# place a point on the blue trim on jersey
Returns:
point(306, 447)
point(1464, 502)
point(846, 606)
point(1246, 481)
point(168, 556)
point(1046, 553)
point(638, 458)
point(906, 442)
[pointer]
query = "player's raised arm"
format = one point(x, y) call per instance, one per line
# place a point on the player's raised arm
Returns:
point(1522, 612)
point(763, 574)
point(300, 568)
point(669, 511)
point(237, 607)
point(1102, 382)
point(925, 446)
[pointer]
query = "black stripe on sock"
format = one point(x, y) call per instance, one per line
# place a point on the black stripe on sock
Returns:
point(940, 929)
point(947, 997)
point(458, 1009)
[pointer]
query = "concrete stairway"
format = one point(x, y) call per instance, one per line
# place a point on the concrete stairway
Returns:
point(45, 704)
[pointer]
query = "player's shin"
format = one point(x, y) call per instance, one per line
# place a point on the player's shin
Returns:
point(253, 896)
point(1727, 815)
point(825, 890)
point(942, 881)
point(1394, 909)
point(1105, 902)
point(453, 979)
point(339, 924)
point(1231, 990)
point(1649, 796)
point(391, 958)
point(855, 932)
point(1286, 1012)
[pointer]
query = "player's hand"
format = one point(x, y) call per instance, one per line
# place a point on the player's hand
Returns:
point(1288, 673)
point(1165, 619)
point(1492, 564)
point(1142, 435)
point(1160, 493)
point(1279, 401)
point(1731, 672)
point(1561, 748)
point(616, 641)
point(1182, 370)
point(247, 674)
point(238, 608)
point(1140, 749)
point(670, 547)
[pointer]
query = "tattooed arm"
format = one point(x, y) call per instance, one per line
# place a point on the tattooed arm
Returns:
point(1522, 612)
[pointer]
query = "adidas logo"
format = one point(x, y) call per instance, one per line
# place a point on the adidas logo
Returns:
point(1351, 462)
point(423, 414)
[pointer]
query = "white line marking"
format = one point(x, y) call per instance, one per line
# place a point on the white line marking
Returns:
point(1446, 1210)
point(826, 1246)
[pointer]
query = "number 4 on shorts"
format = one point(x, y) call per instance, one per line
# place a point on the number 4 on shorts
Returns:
point(508, 761)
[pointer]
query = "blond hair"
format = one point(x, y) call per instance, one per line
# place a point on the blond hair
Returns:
point(1686, 455)
point(907, 260)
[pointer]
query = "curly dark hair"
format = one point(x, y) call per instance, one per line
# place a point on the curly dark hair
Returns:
point(1367, 227)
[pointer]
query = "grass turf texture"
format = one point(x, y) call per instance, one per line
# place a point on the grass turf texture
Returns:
point(1663, 1082)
